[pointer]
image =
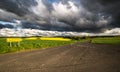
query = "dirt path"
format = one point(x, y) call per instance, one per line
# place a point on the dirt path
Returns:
point(79, 57)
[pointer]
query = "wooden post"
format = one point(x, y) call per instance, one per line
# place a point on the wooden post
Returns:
point(18, 44)
point(10, 44)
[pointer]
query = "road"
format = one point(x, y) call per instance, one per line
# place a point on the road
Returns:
point(78, 57)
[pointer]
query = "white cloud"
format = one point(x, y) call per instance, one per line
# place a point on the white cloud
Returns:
point(65, 10)
point(35, 32)
point(113, 31)
point(40, 9)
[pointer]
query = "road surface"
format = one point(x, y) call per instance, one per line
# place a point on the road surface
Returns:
point(78, 57)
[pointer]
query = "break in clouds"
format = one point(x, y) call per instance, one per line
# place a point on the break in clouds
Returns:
point(92, 16)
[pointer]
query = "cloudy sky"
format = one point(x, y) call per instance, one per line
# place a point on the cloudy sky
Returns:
point(90, 16)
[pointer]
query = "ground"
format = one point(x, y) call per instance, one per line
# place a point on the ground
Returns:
point(78, 57)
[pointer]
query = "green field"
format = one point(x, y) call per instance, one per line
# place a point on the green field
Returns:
point(106, 40)
point(8, 45)
point(28, 44)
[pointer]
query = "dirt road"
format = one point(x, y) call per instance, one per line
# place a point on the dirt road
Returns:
point(79, 57)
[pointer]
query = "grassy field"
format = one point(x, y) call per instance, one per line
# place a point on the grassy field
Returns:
point(8, 45)
point(106, 40)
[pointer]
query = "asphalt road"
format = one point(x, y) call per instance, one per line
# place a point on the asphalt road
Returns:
point(79, 57)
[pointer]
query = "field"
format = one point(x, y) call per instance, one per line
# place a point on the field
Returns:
point(8, 45)
point(106, 40)
point(20, 44)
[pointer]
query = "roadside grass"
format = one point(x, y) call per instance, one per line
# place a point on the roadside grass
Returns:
point(106, 40)
point(8, 45)
point(83, 40)
point(29, 44)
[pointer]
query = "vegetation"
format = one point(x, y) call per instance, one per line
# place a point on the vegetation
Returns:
point(31, 38)
point(55, 39)
point(83, 40)
point(106, 40)
point(8, 45)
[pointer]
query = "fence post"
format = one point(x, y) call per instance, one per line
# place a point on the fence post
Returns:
point(10, 44)
point(18, 44)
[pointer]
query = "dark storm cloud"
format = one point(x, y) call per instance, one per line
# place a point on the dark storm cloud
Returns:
point(70, 15)
point(19, 7)
point(5, 15)
point(108, 7)
point(80, 18)
point(101, 12)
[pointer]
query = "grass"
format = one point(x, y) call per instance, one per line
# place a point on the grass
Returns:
point(83, 40)
point(106, 40)
point(46, 42)
point(29, 43)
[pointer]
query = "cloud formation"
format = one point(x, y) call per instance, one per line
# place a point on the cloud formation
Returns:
point(92, 16)
point(35, 32)
point(5, 15)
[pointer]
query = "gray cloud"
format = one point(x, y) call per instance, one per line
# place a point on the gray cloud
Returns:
point(19, 7)
point(68, 15)
point(5, 15)
point(80, 18)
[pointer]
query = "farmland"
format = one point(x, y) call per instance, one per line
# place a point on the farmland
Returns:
point(106, 40)
point(8, 45)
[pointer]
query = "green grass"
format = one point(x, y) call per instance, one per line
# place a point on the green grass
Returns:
point(29, 44)
point(39, 44)
point(106, 40)
point(83, 40)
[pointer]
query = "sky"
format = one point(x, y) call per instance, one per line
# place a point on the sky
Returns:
point(90, 16)
point(51, 1)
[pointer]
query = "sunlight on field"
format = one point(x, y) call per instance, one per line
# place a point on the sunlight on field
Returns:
point(31, 38)
point(49, 38)
point(13, 39)
point(56, 39)
point(8, 45)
